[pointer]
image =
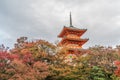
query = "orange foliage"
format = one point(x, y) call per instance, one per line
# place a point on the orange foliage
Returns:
point(30, 44)
point(24, 51)
point(117, 71)
point(117, 63)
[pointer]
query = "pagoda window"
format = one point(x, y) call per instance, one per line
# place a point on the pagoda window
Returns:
point(72, 36)
point(72, 46)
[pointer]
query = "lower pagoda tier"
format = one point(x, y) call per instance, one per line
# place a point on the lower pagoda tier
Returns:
point(77, 51)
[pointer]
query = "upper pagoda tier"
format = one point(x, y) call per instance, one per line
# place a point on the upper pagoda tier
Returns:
point(71, 30)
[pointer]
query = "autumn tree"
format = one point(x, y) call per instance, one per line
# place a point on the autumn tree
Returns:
point(21, 66)
point(104, 57)
point(78, 69)
point(39, 49)
point(5, 59)
point(21, 71)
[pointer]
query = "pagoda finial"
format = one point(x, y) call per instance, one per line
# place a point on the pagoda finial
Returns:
point(70, 20)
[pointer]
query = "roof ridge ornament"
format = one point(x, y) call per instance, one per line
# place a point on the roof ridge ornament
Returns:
point(71, 20)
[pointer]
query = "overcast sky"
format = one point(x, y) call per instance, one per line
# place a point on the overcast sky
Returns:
point(44, 19)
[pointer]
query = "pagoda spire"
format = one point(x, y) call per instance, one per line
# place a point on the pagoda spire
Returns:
point(71, 20)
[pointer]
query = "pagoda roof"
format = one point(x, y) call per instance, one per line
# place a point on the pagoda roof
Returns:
point(71, 29)
point(82, 41)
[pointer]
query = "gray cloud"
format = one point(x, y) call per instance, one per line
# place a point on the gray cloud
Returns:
point(45, 19)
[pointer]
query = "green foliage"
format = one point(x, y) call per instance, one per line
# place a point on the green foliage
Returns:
point(98, 73)
point(114, 77)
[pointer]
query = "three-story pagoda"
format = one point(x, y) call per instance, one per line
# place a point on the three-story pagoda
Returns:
point(71, 38)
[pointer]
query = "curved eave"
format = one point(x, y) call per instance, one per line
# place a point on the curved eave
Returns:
point(82, 41)
point(71, 29)
point(73, 39)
